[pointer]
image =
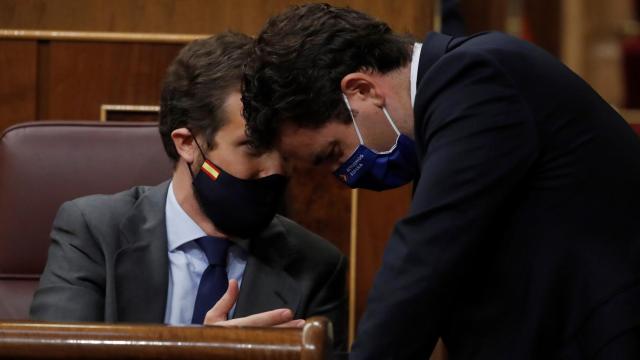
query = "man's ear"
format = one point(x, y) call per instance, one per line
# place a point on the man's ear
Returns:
point(185, 146)
point(361, 86)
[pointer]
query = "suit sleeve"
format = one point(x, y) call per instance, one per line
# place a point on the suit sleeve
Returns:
point(479, 141)
point(331, 302)
point(72, 284)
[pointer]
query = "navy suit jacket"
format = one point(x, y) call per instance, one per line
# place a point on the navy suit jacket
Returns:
point(523, 237)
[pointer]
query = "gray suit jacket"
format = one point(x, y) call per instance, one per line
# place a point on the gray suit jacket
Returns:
point(108, 261)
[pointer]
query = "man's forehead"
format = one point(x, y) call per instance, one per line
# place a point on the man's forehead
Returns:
point(290, 132)
point(297, 142)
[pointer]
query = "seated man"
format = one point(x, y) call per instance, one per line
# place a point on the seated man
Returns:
point(166, 254)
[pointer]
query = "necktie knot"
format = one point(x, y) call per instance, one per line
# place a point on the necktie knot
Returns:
point(215, 249)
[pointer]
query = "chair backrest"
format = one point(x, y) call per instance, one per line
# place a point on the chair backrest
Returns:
point(26, 340)
point(43, 164)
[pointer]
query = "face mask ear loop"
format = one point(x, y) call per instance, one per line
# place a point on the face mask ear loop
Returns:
point(355, 125)
point(386, 113)
point(201, 152)
point(199, 148)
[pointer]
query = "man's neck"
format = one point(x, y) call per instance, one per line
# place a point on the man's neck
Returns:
point(402, 110)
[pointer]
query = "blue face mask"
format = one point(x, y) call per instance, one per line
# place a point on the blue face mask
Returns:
point(368, 169)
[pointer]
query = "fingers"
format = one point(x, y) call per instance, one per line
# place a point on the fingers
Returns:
point(265, 319)
point(218, 313)
point(220, 310)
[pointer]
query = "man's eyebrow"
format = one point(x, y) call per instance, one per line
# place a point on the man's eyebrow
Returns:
point(245, 141)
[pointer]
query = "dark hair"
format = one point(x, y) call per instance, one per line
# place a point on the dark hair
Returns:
point(299, 60)
point(197, 85)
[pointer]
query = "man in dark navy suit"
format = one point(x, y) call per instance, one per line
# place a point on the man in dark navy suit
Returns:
point(522, 240)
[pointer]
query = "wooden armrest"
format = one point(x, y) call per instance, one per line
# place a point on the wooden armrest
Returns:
point(42, 340)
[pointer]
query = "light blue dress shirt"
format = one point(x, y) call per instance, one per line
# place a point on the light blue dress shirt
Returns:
point(187, 262)
point(415, 62)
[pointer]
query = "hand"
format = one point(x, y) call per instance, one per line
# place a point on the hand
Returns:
point(218, 313)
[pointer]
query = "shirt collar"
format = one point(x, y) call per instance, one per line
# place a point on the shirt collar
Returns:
point(415, 61)
point(180, 227)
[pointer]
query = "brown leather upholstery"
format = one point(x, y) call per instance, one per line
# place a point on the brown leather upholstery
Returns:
point(43, 164)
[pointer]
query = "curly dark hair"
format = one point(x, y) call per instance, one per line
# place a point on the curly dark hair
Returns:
point(299, 60)
point(197, 85)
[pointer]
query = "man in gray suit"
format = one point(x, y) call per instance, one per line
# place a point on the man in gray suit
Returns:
point(137, 256)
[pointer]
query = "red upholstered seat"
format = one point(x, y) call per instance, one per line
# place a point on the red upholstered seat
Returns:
point(43, 164)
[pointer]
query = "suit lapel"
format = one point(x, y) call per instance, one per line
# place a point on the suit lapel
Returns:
point(433, 48)
point(265, 288)
point(142, 265)
point(265, 284)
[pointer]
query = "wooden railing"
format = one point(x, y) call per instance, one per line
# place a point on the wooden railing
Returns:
point(41, 340)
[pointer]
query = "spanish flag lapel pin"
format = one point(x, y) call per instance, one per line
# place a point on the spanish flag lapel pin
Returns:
point(211, 170)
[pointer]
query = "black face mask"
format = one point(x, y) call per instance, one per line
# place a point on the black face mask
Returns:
point(237, 207)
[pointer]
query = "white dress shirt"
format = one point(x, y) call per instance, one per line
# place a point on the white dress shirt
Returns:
point(415, 62)
point(187, 262)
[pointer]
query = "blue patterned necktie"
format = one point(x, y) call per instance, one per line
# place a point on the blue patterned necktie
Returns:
point(214, 281)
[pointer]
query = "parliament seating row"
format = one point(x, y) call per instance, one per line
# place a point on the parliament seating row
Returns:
point(43, 164)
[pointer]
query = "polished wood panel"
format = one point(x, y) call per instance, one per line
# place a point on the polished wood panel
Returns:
point(591, 34)
point(543, 22)
point(484, 15)
point(82, 76)
point(18, 64)
point(33, 340)
point(377, 214)
point(132, 116)
point(320, 203)
point(187, 16)
point(633, 118)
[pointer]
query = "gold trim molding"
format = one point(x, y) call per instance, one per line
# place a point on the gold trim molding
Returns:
point(17, 34)
point(353, 252)
point(437, 17)
point(106, 108)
